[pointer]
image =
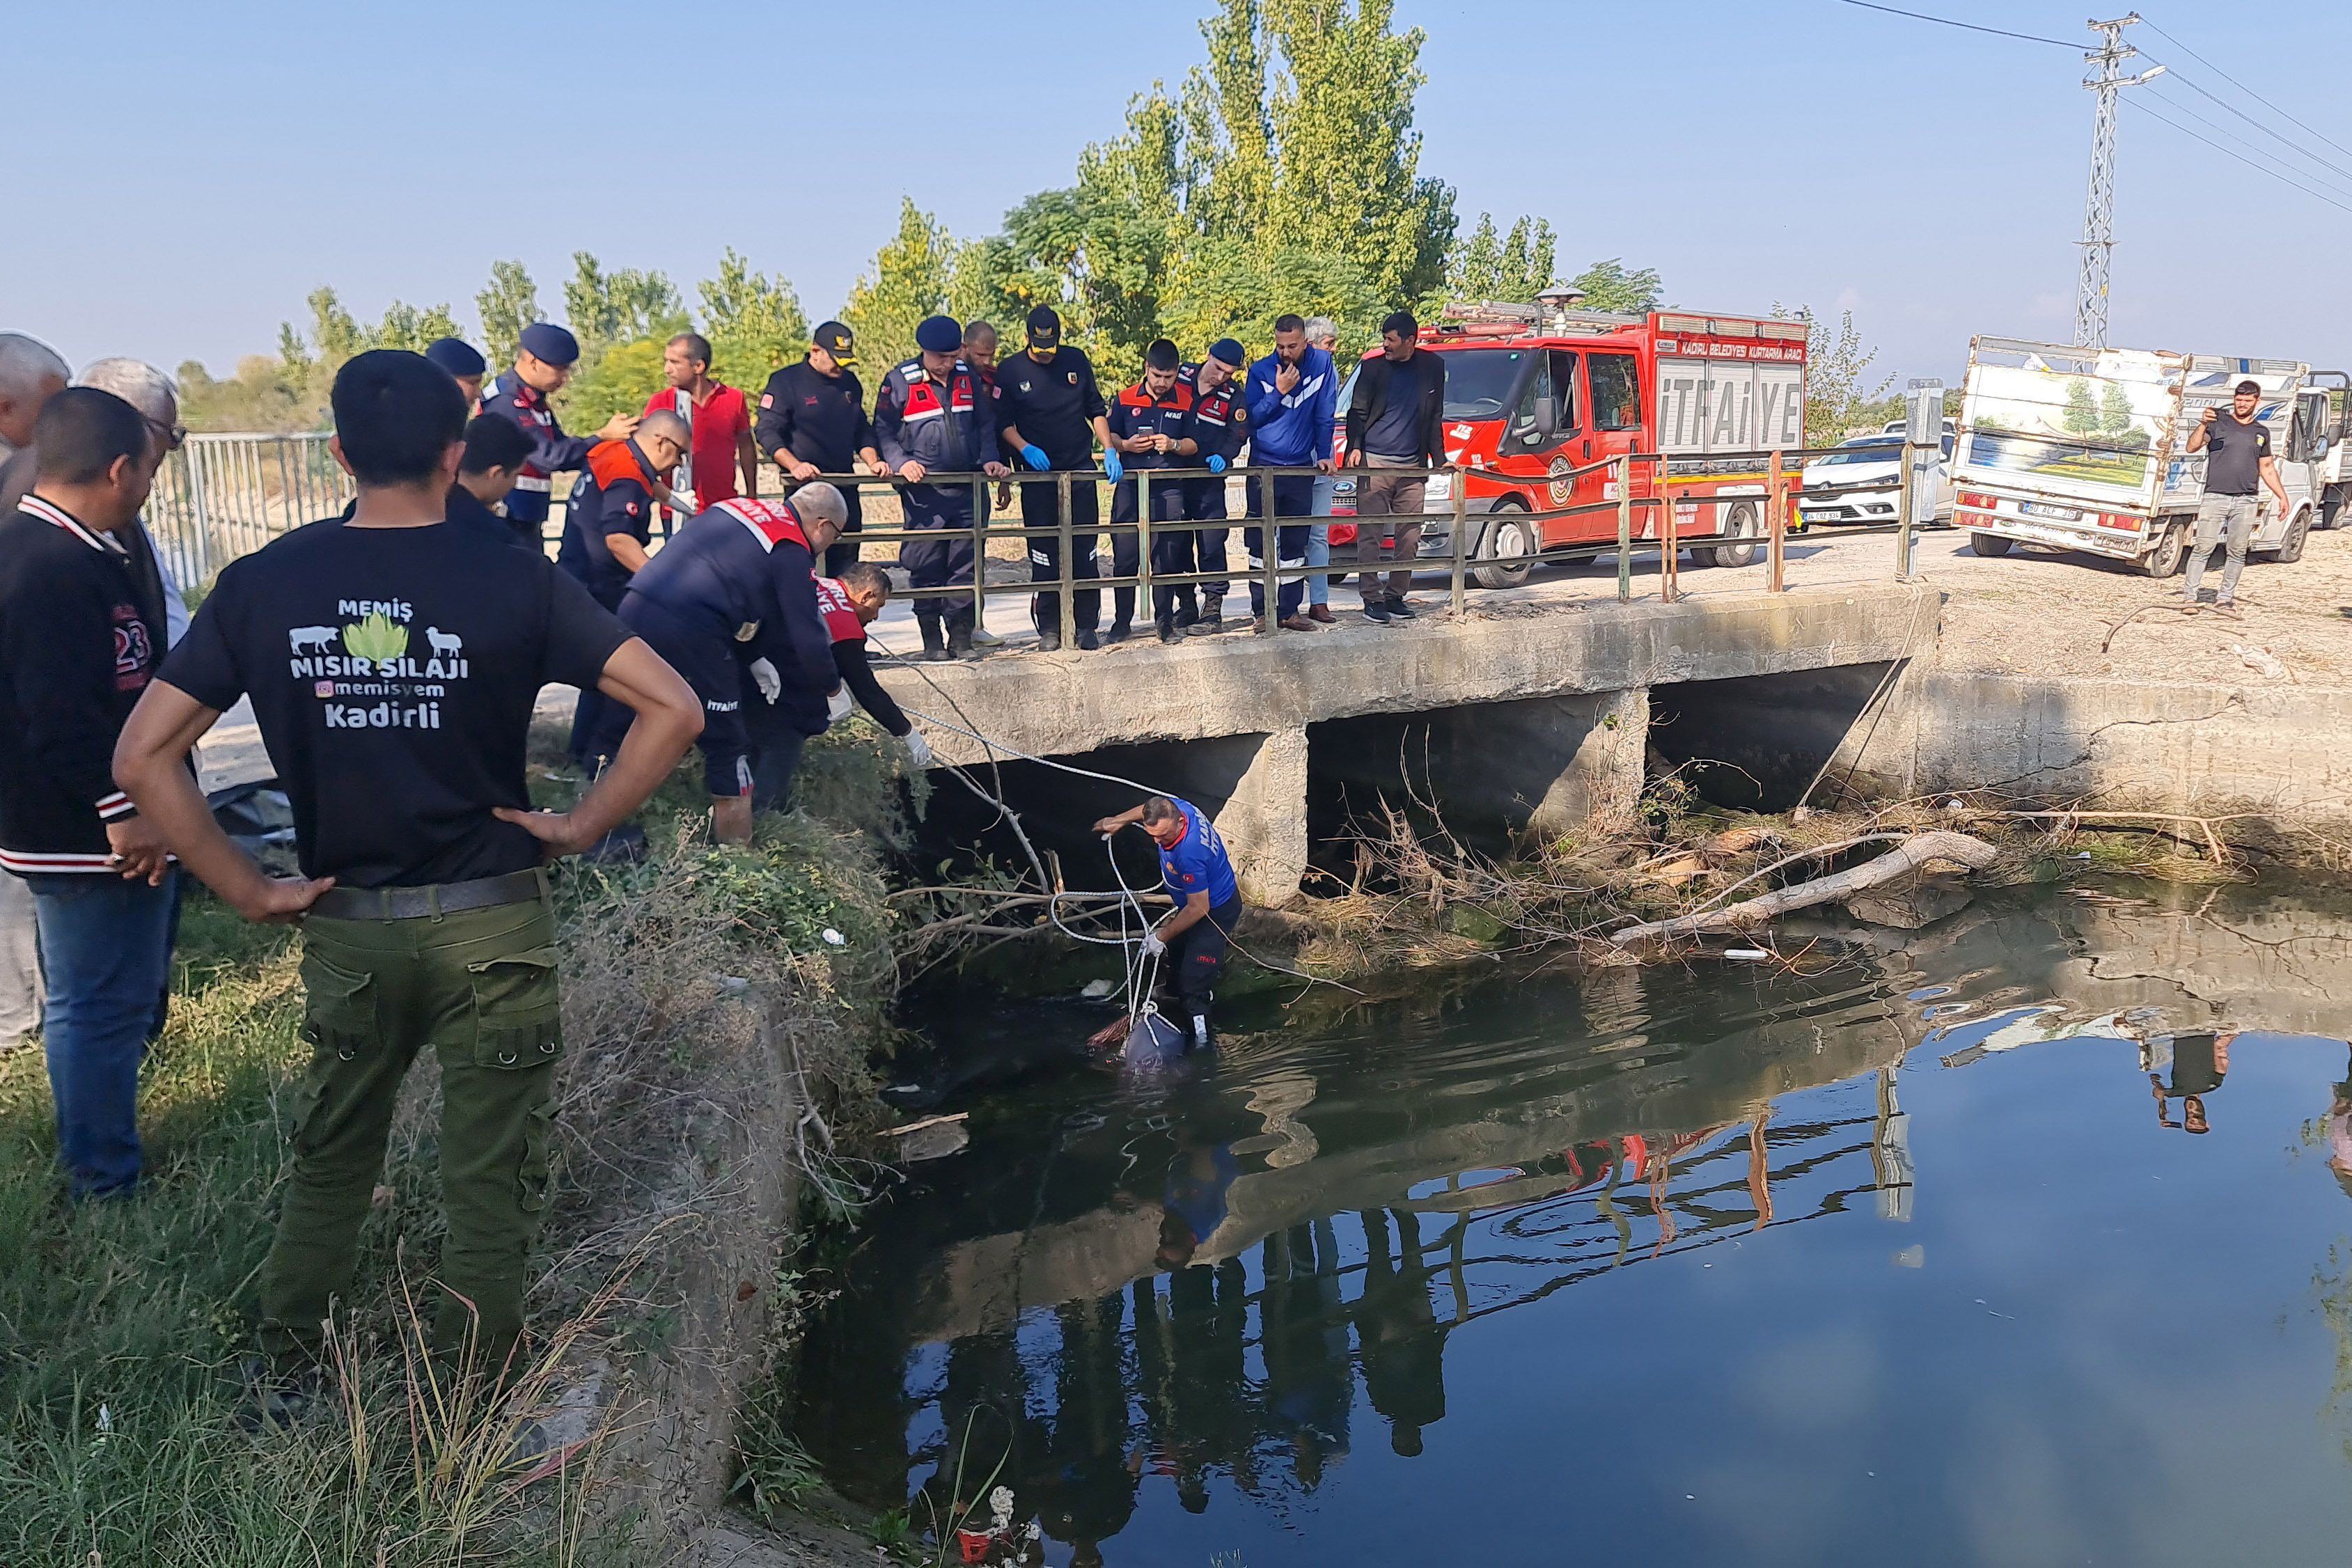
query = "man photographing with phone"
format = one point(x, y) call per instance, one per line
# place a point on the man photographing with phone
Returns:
point(2238, 463)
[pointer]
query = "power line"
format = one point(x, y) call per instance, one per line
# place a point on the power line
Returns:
point(2227, 136)
point(1971, 27)
point(2291, 146)
point(2249, 91)
point(2141, 105)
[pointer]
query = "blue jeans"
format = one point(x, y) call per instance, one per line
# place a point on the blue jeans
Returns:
point(1319, 542)
point(106, 945)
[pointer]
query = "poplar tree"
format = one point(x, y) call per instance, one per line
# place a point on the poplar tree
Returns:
point(508, 305)
point(907, 282)
point(753, 320)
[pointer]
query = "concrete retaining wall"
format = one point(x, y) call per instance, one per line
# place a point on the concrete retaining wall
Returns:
point(2276, 751)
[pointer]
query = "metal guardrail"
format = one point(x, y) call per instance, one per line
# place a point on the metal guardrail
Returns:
point(220, 496)
point(223, 496)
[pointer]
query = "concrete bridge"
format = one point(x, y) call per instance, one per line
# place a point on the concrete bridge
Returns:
point(1532, 714)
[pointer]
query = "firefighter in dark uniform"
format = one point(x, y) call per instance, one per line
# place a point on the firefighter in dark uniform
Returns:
point(1049, 414)
point(931, 415)
point(1151, 427)
point(812, 421)
point(736, 579)
point(606, 525)
point(543, 364)
point(1219, 429)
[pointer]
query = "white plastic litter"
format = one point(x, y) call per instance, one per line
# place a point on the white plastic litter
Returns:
point(1097, 989)
point(834, 938)
point(1749, 953)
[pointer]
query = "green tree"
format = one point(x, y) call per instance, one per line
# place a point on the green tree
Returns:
point(1608, 286)
point(1839, 395)
point(507, 306)
point(907, 282)
point(1488, 266)
point(619, 380)
point(2114, 409)
point(2082, 412)
point(618, 306)
point(753, 320)
point(306, 365)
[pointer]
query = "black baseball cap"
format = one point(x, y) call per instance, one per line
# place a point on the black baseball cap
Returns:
point(1045, 327)
point(837, 341)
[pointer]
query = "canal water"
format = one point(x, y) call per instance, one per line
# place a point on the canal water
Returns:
point(2025, 1237)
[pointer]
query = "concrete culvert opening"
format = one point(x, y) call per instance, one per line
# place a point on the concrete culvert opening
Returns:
point(1757, 742)
point(1490, 771)
point(1058, 809)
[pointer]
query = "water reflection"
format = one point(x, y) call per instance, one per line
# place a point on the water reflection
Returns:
point(1229, 1288)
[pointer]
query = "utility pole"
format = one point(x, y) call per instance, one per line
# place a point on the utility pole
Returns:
point(2099, 211)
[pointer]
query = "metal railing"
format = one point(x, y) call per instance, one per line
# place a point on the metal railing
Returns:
point(223, 496)
point(1776, 489)
point(220, 496)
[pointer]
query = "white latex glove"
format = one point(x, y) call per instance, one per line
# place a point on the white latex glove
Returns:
point(919, 751)
point(764, 675)
point(837, 706)
point(1152, 945)
point(684, 504)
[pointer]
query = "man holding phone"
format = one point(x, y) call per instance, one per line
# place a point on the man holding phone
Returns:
point(2238, 463)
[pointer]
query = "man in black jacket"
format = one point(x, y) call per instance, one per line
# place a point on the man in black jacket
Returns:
point(812, 422)
point(80, 630)
point(1396, 419)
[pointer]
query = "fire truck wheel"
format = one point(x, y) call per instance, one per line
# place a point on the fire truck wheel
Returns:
point(1507, 534)
point(1739, 523)
point(1989, 544)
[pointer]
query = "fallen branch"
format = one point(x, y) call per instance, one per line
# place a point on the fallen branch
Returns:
point(1900, 861)
point(2214, 846)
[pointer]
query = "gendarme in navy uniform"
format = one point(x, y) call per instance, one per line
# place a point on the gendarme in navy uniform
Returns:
point(542, 365)
point(933, 415)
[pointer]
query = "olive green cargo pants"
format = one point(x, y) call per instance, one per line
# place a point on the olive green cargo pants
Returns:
point(478, 986)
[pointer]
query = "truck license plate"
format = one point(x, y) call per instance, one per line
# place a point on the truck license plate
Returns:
point(2055, 513)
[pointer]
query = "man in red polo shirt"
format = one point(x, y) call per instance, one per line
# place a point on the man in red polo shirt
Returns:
point(719, 418)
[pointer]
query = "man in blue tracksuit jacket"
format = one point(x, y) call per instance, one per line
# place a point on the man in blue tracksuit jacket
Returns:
point(1292, 395)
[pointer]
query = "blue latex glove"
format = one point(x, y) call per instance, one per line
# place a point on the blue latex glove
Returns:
point(1034, 457)
point(1113, 466)
point(1217, 464)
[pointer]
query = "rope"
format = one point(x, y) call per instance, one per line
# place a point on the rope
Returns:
point(1141, 970)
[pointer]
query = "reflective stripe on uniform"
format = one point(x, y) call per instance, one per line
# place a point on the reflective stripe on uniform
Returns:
point(533, 483)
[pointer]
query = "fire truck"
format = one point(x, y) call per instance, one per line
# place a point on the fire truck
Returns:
point(1534, 393)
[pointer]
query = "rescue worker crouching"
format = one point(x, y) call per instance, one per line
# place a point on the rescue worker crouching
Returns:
point(1221, 428)
point(1199, 877)
point(606, 525)
point(737, 578)
point(932, 415)
point(785, 723)
point(1151, 427)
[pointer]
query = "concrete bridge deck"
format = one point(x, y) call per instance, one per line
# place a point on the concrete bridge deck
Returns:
point(1536, 714)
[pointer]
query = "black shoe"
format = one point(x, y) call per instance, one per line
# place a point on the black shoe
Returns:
point(277, 1402)
point(1088, 642)
point(1398, 609)
point(960, 642)
point(1118, 634)
point(1377, 610)
point(1049, 642)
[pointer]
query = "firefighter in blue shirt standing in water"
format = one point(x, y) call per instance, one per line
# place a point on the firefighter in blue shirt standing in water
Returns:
point(543, 364)
point(1199, 880)
point(933, 415)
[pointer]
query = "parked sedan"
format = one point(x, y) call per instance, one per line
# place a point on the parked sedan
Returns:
point(1861, 481)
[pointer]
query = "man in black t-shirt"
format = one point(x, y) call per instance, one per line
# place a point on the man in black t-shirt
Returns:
point(394, 659)
point(1049, 414)
point(2238, 463)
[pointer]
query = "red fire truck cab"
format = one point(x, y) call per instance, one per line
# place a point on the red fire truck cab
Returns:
point(1534, 392)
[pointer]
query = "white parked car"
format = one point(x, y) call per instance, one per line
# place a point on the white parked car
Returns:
point(1861, 481)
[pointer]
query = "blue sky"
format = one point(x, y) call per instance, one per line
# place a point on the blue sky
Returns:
point(210, 164)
